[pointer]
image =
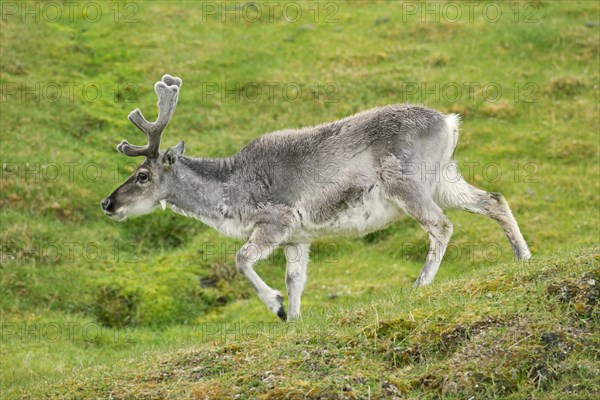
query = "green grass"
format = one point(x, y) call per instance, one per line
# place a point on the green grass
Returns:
point(130, 300)
point(515, 330)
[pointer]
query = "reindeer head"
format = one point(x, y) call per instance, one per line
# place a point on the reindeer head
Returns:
point(150, 184)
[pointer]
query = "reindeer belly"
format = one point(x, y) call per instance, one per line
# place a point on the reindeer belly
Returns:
point(371, 212)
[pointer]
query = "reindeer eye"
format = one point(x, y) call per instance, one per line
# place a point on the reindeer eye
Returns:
point(142, 177)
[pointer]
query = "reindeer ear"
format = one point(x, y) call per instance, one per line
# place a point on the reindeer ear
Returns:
point(173, 153)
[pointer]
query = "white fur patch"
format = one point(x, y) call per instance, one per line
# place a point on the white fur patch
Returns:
point(373, 213)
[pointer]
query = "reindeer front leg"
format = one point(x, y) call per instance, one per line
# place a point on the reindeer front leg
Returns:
point(261, 244)
point(295, 276)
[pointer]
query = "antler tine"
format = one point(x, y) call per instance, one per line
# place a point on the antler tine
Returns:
point(171, 80)
point(167, 90)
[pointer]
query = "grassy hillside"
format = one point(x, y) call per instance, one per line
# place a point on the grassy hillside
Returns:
point(95, 307)
point(509, 331)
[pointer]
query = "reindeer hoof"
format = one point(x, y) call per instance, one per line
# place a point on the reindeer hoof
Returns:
point(281, 312)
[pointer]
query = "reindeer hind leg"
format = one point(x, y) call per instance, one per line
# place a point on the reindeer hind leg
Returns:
point(460, 195)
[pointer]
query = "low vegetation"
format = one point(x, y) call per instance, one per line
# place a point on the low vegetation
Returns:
point(509, 331)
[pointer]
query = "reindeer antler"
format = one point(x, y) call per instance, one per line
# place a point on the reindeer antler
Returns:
point(167, 90)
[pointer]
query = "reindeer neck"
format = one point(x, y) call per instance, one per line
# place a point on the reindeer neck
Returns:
point(200, 187)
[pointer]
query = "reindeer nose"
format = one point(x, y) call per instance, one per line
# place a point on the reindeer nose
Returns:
point(107, 204)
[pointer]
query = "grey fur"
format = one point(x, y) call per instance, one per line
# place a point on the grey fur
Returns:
point(348, 177)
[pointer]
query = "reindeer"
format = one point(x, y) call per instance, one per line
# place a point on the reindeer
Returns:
point(290, 187)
